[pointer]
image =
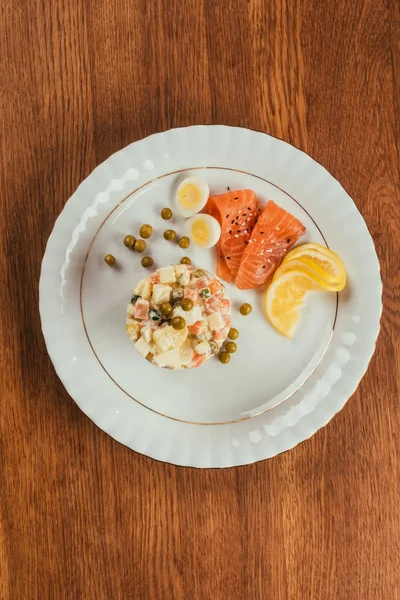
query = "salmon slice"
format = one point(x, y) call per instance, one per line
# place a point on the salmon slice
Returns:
point(236, 212)
point(275, 233)
point(222, 268)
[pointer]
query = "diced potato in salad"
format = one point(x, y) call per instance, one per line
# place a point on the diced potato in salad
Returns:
point(206, 324)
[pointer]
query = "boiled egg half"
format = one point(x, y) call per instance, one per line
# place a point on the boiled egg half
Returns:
point(203, 230)
point(191, 196)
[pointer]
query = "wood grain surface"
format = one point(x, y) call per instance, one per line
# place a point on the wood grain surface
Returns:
point(82, 517)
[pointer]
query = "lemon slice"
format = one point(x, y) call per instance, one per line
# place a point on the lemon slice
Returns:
point(325, 260)
point(310, 268)
point(284, 298)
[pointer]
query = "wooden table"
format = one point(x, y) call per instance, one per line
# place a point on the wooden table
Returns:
point(82, 517)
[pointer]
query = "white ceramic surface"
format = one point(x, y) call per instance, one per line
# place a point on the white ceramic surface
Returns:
point(275, 392)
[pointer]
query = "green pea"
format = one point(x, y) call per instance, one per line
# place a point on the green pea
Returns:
point(224, 357)
point(129, 241)
point(184, 242)
point(170, 235)
point(245, 309)
point(147, 261)
point(166, 309)
point(214, 347)
point(187, 304)
point(178, 323)
point(233, 334)
point(139, 246)
point(231, 347)
point(186, 261)
point(166, 214)
point(146, 231)
point(109, 259)
point(199, 273)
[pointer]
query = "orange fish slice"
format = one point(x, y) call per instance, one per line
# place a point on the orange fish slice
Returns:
point(236, 212)
point(275, 233)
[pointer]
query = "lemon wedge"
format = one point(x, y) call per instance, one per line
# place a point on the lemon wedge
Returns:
point(285, 296)
point(328, 267)
point(311, 268)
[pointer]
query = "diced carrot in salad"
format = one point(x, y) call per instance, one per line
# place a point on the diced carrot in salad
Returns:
point(225, 306)
point(141, 309)
point(198, 360)
point(212, 305)
point(215, 286)
point(197, 328)
point(200, 283)
point(219, 335)
point(189, 293)
point(227, 319)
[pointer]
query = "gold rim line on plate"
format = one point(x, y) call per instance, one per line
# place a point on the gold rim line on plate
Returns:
point(247, 417)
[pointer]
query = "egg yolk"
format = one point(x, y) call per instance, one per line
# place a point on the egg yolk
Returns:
point(189, 196)
point(200, 232)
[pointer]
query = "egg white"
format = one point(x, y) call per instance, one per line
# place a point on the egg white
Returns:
point(211, 226)
point(203, 191)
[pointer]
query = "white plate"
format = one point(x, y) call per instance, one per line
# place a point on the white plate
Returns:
point(275, 392)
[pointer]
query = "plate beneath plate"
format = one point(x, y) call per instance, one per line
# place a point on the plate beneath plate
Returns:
point(275, 392)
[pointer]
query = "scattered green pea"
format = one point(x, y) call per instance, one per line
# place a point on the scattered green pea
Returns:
point(166, 214)
point(109, 259)
point(231, 347)
point(224, 357)
point(233, 334)
point(186, 261)
point(178, 323)
point(166, 309)
point(245, 309)
point(139, 246)
point(187, 304)
point(170, 235)
point(184, 242)
point(129, 241)
point(145, 231)
point(199, 273)
point(147, 261)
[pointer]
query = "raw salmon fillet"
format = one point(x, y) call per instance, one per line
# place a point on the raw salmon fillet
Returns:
point(222, 268)
point(236, 212)
point(274, 234)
